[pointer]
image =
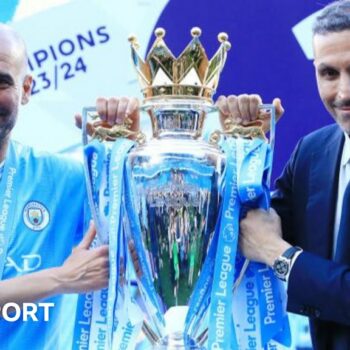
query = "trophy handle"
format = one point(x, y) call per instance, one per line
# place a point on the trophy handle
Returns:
point(87, 111)
point(102, 131)
point(254, 129)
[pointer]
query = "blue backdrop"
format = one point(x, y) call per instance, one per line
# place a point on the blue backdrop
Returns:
point(265, 58)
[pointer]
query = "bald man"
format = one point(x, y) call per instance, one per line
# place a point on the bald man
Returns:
point(41, 217)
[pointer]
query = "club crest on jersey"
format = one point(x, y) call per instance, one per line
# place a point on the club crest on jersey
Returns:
point(35, 216)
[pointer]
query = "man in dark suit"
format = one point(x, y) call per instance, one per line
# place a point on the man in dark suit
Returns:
point(308, 242)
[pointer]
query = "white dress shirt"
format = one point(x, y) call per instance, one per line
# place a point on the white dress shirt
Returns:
point(344, 178)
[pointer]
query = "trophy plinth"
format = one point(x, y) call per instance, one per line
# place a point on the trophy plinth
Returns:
point(176, 338)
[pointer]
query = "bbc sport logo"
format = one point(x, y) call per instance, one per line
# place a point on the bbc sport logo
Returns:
point(12, 312)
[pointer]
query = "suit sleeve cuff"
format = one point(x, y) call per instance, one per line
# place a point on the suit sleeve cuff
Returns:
point(294, 259)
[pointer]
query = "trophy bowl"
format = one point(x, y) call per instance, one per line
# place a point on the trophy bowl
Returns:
point(175, 178)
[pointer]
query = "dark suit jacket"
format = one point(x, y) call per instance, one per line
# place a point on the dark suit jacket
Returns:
point(305, 198)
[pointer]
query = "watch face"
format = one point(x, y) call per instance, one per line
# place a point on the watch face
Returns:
point(281, 268)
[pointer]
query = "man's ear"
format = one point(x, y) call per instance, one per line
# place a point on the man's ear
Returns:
point(26, 89)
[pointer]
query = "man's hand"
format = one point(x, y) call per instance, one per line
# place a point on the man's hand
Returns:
point(84, 270)
point(261, 236)
point(114, 111)
point(244, 109)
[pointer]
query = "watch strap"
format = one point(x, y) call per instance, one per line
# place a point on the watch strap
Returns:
point(290, 252)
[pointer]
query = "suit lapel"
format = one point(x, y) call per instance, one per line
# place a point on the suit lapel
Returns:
point(324, 173)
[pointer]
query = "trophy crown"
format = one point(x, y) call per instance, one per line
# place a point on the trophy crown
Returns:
point(192, 74)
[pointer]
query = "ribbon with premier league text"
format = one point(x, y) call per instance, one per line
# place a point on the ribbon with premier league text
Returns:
point(254, 317)
point(260, 297)
point(90, 330)
point(108, 318)
point(8, 187)
point(259, 313)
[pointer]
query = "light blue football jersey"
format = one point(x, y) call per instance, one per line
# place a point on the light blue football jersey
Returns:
point(47, 194)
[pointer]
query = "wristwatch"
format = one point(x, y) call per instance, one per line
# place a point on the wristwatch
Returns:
point(282, 265)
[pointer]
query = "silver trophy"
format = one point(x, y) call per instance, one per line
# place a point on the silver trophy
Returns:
point(175, 179)
point(176, 176)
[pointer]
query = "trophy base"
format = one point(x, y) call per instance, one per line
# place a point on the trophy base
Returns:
point(171, 342)
point(177, 341)
point(175, 338)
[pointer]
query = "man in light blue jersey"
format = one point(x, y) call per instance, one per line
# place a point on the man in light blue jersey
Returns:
point(41, 219)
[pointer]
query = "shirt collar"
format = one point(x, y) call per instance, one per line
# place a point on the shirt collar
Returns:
point(346, 150)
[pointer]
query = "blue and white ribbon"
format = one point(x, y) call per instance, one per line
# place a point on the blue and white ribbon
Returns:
point(259, 298)
point(108, 318)
point(253, 319)
point(259, 302)
point(221, 332)
point(92, 309)
point(8, 200)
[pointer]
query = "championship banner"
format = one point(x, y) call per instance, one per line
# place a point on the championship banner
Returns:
point(70, 47)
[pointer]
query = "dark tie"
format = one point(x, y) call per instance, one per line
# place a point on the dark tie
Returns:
point(342, 253)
